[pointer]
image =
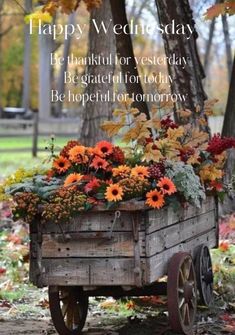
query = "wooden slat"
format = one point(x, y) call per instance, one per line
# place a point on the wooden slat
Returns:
point(178, 233)
point(157, 265)
point(94, 272)
point(120, 245)
point(168, 216)
point(89, 221)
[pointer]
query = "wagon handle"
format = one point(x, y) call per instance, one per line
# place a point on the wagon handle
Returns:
point(117, 215)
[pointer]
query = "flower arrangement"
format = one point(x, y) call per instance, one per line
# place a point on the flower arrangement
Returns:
point(162, 164)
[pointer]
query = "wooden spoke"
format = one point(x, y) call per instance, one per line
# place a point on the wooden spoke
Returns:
point(68, 308)
point(181, 292)
point(204, 274)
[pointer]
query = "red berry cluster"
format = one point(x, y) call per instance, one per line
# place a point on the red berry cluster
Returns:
point(168, 123)
point(218, 144)
point(185, 154)
point(156, 171)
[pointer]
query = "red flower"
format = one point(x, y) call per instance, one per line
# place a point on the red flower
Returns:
point(223, 246)
point(99, 163)
point(218, 144)
point(103, 148)
point(2, 271)
point(92, 185)
point(216, 185)
point(168, 123)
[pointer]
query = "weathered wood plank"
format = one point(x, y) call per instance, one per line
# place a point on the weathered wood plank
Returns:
point(157, 265)
point(89, 245)
point(94, 272)
point(159, 219)
point(90, 221)
point(179, 232)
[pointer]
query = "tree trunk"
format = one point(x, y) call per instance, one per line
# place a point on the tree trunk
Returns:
point(229, 130)
point(27, 56)
point(208, 45)
point(186, 81)
point(227, 45)
point(125, 49)
point(63, 69)
point(99, 44)
point(45, 49)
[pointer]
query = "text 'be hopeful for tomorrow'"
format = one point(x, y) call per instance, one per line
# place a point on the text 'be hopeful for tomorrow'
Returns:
point(77, 30)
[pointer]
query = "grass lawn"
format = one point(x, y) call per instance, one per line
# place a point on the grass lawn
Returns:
point(10, 162)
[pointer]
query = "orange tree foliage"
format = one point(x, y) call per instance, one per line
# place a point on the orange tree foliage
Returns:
point(68, 6)
point(227, 7)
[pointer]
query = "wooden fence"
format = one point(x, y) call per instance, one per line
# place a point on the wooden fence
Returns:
point(36, 128)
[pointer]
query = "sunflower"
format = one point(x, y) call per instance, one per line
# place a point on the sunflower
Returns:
point(140, 171)
point(61, 164)
point(121, 171)
point(72, 179)
point(99, 163)
point(114, 192)
point(103, 148)
point(155, 199)
point(167, 186)
point(77, 154)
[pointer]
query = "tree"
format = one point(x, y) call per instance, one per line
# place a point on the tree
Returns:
point(63, 69)
point(27, 54)
point(186, 81)
point(99, 44)
point(125, 49)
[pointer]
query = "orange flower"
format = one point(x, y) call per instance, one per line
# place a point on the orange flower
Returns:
point(103, 148)
point(61, 164)
point(114, 192)
point(77, 154)
point(140, 171)
point(155, 199)
point(167, 186)
point(223, 246)
point(121, 170)
point(99, 163)
point(72, 179)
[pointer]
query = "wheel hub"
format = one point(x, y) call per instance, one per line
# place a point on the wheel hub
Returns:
point(208, 277)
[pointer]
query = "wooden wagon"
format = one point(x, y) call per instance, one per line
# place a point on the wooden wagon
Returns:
point(124, 252)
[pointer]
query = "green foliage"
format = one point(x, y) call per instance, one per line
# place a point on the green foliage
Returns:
point(39, 185)
point(186, 182)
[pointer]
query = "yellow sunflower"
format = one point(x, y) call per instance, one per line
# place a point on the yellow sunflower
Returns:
point(155, 199)
point(61, 164)
point(77, 154)
point(122, 170)
point(72, 179)
point(167, 186)
point(140, 171)
point(114, 192)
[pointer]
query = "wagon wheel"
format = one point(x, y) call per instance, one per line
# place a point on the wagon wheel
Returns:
point(68, 307)
point(182, 293)
point(204, 273)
